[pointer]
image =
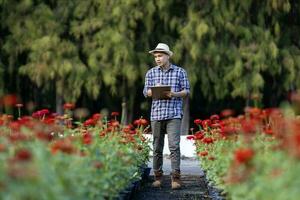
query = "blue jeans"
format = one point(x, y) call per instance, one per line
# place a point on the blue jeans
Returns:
point(159, 129)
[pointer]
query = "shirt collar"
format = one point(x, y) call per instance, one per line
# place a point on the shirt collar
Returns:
point(171, 67)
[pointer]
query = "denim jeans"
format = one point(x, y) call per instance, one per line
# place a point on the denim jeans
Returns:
point(159, 129)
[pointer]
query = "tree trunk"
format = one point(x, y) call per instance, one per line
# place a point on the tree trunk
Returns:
point(124, 117)
point(184, 129)
point(59, 97)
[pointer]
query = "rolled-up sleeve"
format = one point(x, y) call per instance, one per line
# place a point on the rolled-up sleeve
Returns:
point(147, 83)
point(184, 81)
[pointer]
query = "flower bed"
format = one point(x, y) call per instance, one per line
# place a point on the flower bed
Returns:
point(252, 156)
point(46, 157)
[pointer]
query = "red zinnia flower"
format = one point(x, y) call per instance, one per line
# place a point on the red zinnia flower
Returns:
point(9, 100)
point(89, 122)
point(87, 138)
point(199, 135)
point(69, 106)
point(206, 123)
point(190, 137)
point(208, 140)
point(96, 116)
point(115, 114)
point(227, 113)
point(197, 121)
point(243, 155)
point(214, 117)
point(23, 155)
point(203, 153)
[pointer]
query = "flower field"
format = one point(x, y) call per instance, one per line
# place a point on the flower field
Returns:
point(47, 156)
point(251, 156)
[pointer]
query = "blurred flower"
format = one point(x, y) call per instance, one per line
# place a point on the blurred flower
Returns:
point(140, 122)
point(227, 113)
point(23, 155)
point(207, 140)
point(9, 100)
point(243, 155)
point(214, 117)
point(87, 138)
point(89, 122)
point(199, 135)
point(69, 106)
point(19, 105)
point(113, 114)
point(190, 137)
point(203, 153)
point(197, 121)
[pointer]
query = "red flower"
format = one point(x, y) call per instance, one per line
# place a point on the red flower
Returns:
point(268, 131)
point(69, 106)
point(249, 126)
point(2, 148)
point(98, 164)
point(211, 158)
point(228, 130)
point(208, 140)
point(243, 155)
point(89, 122)
point(216, 125)
point(63, 145)
point(23, 155)
point(203, 153)
point(227, 113)
point(214, 117)
point(114, 123)
point(115, 114)
point(197, 121)
point(190, 137)
point(44, 112)
point(87, 138)
point(206, 123)
point(140, 122)
point(44, 136)
point(96, 116)
point(199, 135)
point(9, 100)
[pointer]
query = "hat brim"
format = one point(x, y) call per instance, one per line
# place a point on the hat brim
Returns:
point(170, 53)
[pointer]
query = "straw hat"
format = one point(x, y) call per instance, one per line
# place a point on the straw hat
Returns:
point(161, 47)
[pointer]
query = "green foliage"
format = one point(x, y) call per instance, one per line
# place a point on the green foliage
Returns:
point(229, 48)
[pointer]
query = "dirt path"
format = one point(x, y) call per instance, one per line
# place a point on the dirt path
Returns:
point(194, 185)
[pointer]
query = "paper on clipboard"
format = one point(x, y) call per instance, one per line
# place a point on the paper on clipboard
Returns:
point(159, 92)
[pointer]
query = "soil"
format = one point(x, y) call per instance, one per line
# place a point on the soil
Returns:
point(194, 187)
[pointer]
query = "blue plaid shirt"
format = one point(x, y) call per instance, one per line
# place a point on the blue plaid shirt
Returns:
point(176, 77)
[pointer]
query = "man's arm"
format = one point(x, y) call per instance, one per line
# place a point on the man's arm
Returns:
point(182, 93)
point(184, 82)
point(147, 91)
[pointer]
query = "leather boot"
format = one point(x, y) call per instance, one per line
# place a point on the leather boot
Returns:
point(157, 179)
point(176, 183)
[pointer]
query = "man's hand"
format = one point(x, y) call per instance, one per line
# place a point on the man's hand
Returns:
point(149, 93)
point(171, 94)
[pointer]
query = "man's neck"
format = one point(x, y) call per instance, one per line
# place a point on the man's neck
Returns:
point(166, 66)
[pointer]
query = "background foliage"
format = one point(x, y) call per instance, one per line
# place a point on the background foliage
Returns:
point(94, 52)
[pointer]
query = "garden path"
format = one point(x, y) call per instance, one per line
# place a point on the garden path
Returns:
point(193, 178)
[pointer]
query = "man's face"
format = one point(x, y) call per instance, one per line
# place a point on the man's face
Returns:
point(161, 58)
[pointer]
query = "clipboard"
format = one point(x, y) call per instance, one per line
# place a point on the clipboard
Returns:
point(158, 92)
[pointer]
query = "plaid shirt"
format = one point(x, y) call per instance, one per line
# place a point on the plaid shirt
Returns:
point(176, 77)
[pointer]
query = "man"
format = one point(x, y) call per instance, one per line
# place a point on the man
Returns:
point(166, 114)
